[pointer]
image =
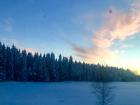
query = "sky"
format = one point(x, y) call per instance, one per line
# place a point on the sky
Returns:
point(93, 31)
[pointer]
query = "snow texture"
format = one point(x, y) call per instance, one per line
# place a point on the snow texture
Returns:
point(64, 93)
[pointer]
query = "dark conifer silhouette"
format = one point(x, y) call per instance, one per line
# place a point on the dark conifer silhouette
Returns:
point(16, 65)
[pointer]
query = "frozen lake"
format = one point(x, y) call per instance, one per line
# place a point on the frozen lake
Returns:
point(65, 93)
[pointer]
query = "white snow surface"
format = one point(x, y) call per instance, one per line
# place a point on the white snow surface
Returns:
point(64, 93)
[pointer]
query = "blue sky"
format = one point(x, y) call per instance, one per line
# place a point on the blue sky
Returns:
point(70, 27)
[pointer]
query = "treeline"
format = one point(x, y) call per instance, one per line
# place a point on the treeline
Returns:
point(16, 65)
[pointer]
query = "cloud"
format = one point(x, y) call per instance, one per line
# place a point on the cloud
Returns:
point(94, 54)
point(31, 50)
point(8, 28)
point(8, 25)
point(124, 46)
point(118, 25)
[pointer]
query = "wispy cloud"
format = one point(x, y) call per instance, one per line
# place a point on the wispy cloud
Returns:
point(8, 25)
point(120, 26)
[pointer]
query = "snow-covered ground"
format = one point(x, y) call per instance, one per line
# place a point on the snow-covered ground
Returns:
point(64, 93)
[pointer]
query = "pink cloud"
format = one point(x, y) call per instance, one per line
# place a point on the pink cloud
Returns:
point(119, 25)
point(31, 50)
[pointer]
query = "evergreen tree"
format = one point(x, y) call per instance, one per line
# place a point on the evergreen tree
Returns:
point(60, 68)
point(24, 71)
point(2, 62)
point(70, 64)
point(19, 65)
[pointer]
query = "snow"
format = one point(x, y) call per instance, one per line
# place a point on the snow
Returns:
point(64, 93)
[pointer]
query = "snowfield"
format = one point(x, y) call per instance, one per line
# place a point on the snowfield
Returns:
point(65, 93)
